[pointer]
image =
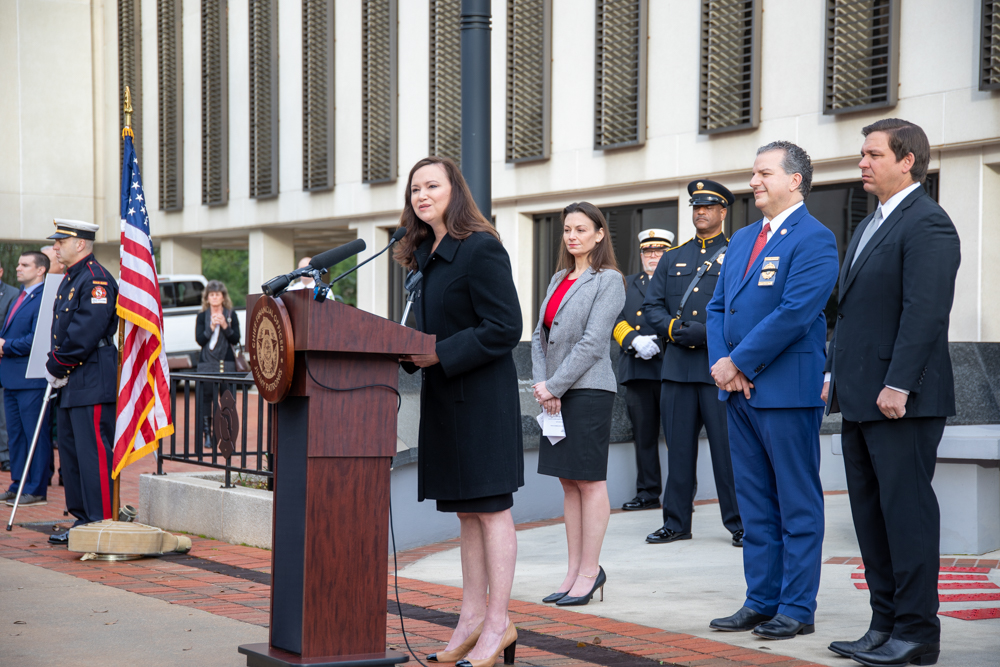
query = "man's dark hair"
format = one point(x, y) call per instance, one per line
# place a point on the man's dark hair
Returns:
point(796, 161)
point(905, 138)
point(39, 258)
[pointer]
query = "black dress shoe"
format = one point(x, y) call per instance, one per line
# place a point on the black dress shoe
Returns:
point(664, 535)
point(783, 627)
point(59, 538)
point(555, 597)
point(638, 503)
point(872, 640)
point(738, 539)
point(899, 653)
point(743, 620)
point(4, 466)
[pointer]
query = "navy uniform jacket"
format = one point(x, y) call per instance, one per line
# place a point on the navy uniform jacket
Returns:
point(676, 270)
point(632, 322)
point(83, 332)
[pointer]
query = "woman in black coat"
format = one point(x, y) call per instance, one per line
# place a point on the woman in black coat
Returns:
point(217, 329)
point(470, 456)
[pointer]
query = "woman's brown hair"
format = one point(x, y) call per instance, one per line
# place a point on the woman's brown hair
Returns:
point(462, 217)
point(216, 286)
point(603, 255)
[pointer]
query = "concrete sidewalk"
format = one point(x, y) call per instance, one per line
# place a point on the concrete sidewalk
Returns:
point(682, 586)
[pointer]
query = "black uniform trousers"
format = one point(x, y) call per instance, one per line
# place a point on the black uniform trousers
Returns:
point(890, 464)
point(86, 455)
point(642, 398)
point(686, 407)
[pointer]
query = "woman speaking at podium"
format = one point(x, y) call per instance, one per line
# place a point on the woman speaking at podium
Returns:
point(470, 456)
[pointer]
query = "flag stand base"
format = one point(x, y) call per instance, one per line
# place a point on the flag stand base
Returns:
point(112, 557)
point(124, 540)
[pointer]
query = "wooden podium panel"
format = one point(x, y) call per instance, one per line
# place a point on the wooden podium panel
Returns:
point(335, 436)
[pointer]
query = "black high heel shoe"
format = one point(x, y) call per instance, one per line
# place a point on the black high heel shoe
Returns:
point(602, 579)
point(555, 597)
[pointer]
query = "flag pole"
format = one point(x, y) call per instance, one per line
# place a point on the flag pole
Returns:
point(116, 483)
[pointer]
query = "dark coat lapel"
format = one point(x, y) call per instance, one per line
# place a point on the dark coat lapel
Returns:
point(637, 281)
point(876, 239)
point(786, 229)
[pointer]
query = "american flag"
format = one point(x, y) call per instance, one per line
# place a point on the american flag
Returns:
point(144, 385)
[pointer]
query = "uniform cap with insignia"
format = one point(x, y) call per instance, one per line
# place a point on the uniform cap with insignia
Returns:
point(76, 229)
point(656, 238)
point(707, 193)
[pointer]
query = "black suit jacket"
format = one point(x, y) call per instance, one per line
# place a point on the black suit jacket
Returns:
point(631, 323)
point(893, 312)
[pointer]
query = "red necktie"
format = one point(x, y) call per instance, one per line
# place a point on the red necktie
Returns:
point(13, 309)
point(758, 246)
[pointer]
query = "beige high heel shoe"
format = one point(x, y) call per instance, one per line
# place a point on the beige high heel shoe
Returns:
point(460, 652)
point(508, 643)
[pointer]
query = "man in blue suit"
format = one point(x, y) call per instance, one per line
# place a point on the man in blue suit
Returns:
point(23, 397)
point(767, 347)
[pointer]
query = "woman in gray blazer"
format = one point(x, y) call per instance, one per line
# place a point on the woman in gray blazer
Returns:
point(571, 367)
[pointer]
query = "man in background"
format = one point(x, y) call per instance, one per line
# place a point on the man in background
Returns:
point(891, 378)
point(23, 397)
point(639, 370)
point(7, 295)
point(306, 282)
point(55, 266)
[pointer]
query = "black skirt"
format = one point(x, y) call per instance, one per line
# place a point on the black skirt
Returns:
point(583, 453)
point(484, 505)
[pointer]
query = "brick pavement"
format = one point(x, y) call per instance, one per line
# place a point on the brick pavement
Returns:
point(236, 597)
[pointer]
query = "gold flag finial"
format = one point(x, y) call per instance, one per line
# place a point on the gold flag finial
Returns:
point(128, 114)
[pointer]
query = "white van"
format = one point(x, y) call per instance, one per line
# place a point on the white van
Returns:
point(180, 295)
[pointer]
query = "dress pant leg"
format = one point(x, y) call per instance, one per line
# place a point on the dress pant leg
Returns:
point(713, 414)
point(4, 445)
point(756, 492)
point(681, 424)
point(29, 407)
point(903, 522)
point(93, 429)
point(69, 465)
point(642, 398)
point(15, 438)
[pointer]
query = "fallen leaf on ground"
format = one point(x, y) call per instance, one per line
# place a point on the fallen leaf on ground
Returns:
point(597, 640)
point(581, 644)
point(99, 611)
point(112, 622)
point(20, 622)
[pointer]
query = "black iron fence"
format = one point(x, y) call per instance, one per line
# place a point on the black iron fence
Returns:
point(220, 422)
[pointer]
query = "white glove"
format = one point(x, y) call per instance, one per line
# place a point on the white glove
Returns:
point(645, 347)
point(54, 381)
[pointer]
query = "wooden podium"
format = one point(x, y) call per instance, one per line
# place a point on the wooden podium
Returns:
point(335, 436)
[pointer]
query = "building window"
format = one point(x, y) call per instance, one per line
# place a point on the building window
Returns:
point(730, 65)
point(171, 96)
point(624, 225)
point(862, 55)
point(317, 95)
point(529, 79)
point(989, 78)
point(378, 91)
point(214, 102)
point(620, 85)
point(446, 79)
point(263, 98)
point(130, 69)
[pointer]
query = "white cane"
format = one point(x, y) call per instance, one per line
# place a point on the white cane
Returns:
point(31, 453)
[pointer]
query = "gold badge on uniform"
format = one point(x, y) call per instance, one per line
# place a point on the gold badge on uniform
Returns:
point(720, 258)
point(768, 271)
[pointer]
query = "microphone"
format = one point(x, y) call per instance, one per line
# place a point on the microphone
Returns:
point(413, 279)
point(318, 265)
point(398, 234)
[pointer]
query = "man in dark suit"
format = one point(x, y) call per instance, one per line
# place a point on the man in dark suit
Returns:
point(767, 346)
point(84, 362)
point(7, 295)
point(23, 397)
point(891, 378)
point(676, 308)
point(639, 370)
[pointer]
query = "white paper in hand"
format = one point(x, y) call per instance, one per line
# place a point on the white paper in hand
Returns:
point(552, 426)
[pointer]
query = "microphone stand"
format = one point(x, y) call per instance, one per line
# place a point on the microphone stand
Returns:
point(355, 268)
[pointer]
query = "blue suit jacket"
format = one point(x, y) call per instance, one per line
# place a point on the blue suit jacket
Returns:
point(17, 335)
point(776, 334)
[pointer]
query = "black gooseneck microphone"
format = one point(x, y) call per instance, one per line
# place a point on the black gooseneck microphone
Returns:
point(398, 234)
point(318, 265)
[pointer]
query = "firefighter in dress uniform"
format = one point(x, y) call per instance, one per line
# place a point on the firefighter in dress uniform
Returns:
point(83, 366)
point(675, 307)
point(639, 370)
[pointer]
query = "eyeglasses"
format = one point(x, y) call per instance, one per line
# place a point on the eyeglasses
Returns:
point(653, 252)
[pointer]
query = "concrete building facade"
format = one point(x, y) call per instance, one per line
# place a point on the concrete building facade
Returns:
point(61, 68)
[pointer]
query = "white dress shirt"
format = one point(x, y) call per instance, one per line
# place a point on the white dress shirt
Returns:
point(780, 218)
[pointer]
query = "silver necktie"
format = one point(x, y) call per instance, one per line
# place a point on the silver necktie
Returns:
point(868, 234)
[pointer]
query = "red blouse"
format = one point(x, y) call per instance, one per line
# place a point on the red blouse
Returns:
point(556, 301)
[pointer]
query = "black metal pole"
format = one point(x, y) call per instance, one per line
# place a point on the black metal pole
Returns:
point(476, 101)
